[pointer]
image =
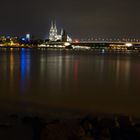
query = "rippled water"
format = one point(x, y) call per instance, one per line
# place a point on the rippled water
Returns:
point(67, 79)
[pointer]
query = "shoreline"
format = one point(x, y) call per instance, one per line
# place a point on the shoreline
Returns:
point(103, 50)
point(86, 127)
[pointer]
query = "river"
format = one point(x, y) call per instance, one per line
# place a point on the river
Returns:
point(78, 80)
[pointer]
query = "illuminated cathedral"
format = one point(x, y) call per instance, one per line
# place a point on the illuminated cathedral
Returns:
point(54, 36)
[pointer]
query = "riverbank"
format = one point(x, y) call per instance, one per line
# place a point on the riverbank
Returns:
point(32, 126)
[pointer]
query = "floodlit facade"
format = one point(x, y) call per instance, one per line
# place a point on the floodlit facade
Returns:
point(54, 36)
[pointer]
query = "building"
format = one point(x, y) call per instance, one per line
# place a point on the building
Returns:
point(64, 36)
point(28, 37)
point(54, 36)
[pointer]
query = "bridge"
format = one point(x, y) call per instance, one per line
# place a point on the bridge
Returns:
point(95, 44)
point(108, 44)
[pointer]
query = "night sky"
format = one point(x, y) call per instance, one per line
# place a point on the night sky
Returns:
point(80, 18)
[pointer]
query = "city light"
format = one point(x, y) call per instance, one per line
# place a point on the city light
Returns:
point(76, 41)
point(128, 44)
point(23, 39)
point(66, 43)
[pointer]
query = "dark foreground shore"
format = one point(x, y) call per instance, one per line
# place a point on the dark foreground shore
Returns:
point(86, 127)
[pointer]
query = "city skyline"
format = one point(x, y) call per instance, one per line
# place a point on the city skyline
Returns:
point(81, 19)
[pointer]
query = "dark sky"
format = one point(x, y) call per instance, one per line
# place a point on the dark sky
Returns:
point(80, 18)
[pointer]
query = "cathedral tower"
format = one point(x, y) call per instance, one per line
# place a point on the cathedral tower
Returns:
point(53, 32)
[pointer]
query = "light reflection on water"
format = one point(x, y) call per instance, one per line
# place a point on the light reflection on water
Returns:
point(24, 69)
point(81, 80)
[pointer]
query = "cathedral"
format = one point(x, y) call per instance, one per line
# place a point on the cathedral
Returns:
point(54, 36)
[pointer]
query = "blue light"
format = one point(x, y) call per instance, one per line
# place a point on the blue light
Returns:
point(23, 39)
point(23, 49)
point(23, 69)
point(8, 37)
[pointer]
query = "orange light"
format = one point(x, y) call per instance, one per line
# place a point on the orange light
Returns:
point(76, 41)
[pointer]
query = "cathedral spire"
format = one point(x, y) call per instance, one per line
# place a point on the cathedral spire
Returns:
point(55, 28)
point(52, 25)
point(53, 31)
point(61, 32)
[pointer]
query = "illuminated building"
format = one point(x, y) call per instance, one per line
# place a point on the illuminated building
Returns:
point(53, 32)
point(28, 37)
point(54, 36)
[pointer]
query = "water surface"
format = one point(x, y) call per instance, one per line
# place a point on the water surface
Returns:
point(70, 80)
